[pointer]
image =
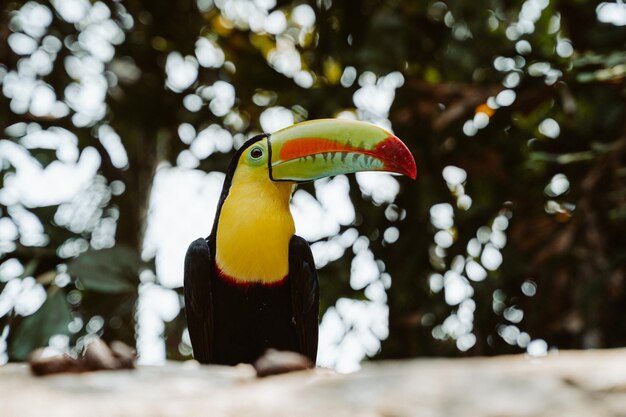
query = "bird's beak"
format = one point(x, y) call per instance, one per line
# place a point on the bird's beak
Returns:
point(322, 148)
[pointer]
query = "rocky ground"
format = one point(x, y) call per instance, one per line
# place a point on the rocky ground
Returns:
point(571, 384)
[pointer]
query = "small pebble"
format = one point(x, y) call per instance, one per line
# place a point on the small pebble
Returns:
point(42, 364)
point(97, 355)
point(274, 362)
point(124, 354)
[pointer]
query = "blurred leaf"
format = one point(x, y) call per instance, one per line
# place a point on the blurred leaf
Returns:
point(111, 270)
point(47, 277)
point(34, 331)
point(609, 60)
point(44, 156)
point(30, 267)
point(45, 213)
point(332, 70)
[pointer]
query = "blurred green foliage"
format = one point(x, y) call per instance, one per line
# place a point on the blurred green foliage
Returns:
point(518, 94)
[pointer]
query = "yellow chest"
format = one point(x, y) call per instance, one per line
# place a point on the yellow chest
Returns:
point(254, 230)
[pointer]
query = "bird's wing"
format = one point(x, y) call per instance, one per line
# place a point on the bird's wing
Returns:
point(305, 295)
point(198, 299)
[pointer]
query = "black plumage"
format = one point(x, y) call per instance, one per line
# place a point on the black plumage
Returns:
point(229, 322)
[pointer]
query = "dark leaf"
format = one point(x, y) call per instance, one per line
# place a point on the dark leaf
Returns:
point(35, 330)
point(108, 270)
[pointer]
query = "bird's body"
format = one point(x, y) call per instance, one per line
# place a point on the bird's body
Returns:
point(234, 321)
point(252, 284)
point(246, 339)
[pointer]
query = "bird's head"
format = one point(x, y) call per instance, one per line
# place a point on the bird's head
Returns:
point(326, 147)
point(253, 215)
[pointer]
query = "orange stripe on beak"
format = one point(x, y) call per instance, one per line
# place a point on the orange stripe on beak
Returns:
point(391, 151)
point(312, 146)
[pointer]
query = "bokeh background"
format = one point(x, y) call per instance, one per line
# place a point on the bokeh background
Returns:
point(118, 119)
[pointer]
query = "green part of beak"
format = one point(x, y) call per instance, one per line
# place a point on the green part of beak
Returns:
point(326, 147)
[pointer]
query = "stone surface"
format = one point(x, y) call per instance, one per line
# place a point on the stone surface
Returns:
point(572, 384)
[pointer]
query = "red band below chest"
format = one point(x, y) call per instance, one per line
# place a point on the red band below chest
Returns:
point(239, 283)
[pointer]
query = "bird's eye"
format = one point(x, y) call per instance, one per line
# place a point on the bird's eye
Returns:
point(256, 153)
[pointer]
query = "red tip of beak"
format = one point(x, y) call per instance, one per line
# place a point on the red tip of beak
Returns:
point(397, 157)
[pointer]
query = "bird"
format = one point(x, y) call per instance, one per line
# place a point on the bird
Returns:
point(252, 284)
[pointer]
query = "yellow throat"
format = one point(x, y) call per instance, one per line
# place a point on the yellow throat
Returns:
point(255, 226)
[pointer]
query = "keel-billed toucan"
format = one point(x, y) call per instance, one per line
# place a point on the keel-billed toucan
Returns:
point(252, 284)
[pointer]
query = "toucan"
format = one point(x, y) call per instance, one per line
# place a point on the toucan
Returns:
point(251, 284)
